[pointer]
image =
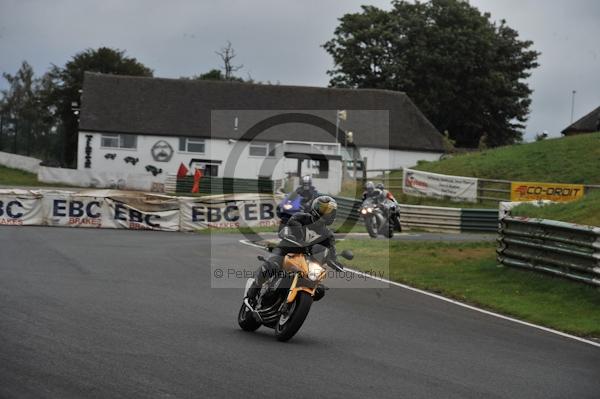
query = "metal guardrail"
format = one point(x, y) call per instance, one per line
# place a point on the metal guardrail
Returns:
point(348, 209)
point(563, 249)
point(430, 218)
point(479, 219)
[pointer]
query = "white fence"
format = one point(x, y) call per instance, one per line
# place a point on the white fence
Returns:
point(20, 162)
point(133, 210)
point(85, 178)
point(93, 179)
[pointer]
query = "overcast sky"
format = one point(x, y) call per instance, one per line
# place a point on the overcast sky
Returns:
point(279, 40)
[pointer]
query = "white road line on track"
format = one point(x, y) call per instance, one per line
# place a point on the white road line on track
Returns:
point(464, 305)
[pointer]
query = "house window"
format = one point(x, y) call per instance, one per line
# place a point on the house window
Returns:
point(119, 141)
point(187, 144)
point(262, 149)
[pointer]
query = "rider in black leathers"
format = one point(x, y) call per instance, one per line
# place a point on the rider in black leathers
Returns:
point(301, 228)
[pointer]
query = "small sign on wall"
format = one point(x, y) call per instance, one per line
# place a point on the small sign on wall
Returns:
point(162, 151)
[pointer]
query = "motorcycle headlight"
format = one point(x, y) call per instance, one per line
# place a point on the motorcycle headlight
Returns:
point(287, 207)
point(363, 211)
point(314, 271)
point(369, 210)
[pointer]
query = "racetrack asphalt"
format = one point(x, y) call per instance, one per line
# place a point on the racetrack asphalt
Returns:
point(93, 313)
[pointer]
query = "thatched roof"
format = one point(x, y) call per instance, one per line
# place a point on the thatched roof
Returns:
point(181, 107)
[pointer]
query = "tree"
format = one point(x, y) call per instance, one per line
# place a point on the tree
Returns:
point(66, 84)
point(213, 74)
point(464, 72)
point(26, 126)
point(227, 54)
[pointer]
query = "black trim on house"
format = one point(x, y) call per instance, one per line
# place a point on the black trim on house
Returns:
point(312, 156)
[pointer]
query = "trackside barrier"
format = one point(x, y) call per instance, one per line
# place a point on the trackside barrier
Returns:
point(134, 210)
point(148, 211)
point(431, 218)
point(348, 208)
point(563, 249)
point(224, 185)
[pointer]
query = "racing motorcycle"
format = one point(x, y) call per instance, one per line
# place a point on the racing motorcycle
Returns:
point(290, 205)
point(376, 218)
point(285, 299)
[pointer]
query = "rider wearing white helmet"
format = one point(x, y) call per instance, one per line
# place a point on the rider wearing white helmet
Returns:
point(307, 191)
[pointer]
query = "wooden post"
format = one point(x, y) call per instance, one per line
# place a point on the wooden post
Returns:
point(16, 130)
point(364, 170)
point(354, 160)
point(1, 129)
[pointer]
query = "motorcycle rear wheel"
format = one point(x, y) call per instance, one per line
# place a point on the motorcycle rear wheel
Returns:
point(289, 324)
point(389, 230)
point(246, 320)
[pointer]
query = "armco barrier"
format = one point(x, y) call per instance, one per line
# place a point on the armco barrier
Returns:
point(430, 218)
point(348, 208)
point(478, 219)
point(564, 249)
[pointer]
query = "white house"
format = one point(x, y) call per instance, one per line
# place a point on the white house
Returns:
point(150, 126)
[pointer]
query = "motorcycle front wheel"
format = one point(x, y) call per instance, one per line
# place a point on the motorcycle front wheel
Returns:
point(371, 225)
point(290, 322)
point(246, 320)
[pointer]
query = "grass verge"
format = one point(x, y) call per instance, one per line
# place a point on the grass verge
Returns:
point(583, 211)
point(469, 273)
point(15, 177)
point(573, 159)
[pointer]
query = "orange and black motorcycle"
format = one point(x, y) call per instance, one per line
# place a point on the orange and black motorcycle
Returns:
point(285, 298)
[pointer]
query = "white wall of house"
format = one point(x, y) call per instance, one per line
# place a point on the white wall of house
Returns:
point(254, 160)
point(245, 166)
point(380, 158)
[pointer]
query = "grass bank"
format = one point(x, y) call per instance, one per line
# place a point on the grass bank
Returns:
point(574, 159)
point(468, 272)
point(15, 177)
point(583, 211)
